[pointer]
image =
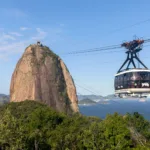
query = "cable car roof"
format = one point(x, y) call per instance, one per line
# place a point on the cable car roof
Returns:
point(133, 70)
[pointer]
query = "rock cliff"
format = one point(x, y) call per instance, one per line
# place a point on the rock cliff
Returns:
point(41, 75)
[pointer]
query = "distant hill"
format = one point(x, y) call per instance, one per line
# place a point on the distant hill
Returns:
point(111, 96)
point(86, 101)
point(83, 99)
point(4, 99)
point(96, 97)
point(92, 97)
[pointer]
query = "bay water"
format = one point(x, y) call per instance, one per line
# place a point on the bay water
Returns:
point(120, 106)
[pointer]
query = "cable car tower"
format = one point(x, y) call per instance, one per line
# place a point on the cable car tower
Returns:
point(133, 81)
point(133, 48)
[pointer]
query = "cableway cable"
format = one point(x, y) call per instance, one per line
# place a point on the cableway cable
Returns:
point(130, 26)
point(91, 91)
point(107, 49)
point(113, 46)
point(94, 50)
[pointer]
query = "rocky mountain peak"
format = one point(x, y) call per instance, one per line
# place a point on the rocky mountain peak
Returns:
point(41, 75)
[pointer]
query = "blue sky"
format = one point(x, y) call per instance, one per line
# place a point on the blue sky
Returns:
point(67, 26)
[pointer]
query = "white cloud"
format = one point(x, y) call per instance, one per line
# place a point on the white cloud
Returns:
point(7, 51)
point(11, 47)
point(5, 36)
point(11, 44)
point(4, 57)
point(24, 28)
point(40, 34)
point(16, 34)
point(3, 42)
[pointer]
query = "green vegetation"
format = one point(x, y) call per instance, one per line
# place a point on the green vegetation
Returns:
point(48, 52)
point(31, 125)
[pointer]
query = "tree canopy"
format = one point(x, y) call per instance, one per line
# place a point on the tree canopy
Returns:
point(31, 125)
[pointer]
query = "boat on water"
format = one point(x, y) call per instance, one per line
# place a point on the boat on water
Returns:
point(142, 100)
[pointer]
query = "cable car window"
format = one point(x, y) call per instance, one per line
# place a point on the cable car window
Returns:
point(135, 76)
point(129, 76)
point(132, 84)
point(121, 81)
point(116, 83)
point(125, 77)
point(144, 75)
point(137, 84)
point(144, 79)
point(125, 84)
point(132, 80)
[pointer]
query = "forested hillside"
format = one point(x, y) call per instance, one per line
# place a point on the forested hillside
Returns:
point(31, 125)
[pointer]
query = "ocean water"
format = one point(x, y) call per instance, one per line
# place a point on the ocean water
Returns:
point(120, 106)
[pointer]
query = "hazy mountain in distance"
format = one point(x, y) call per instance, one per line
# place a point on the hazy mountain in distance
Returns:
point(86, 101)
point(111, 96)
point(96, 97)
point(92, 97)
point(4, 99)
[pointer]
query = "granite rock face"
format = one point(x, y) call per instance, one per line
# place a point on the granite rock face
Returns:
point(41, 75)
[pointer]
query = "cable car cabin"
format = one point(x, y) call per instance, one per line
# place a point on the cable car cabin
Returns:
point(132, 82)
